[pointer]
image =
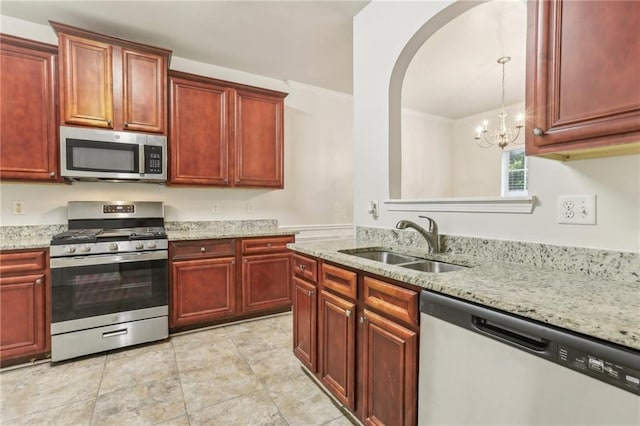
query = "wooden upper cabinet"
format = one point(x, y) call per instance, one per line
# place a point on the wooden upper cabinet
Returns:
point(144, 81)
point(28, 133)
point(224, 133)
point(198, 146)
point(111, 83)
point(583, 90)
point(259, 127)
point(85, 75)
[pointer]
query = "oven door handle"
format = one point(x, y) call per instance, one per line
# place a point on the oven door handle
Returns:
point(65, 262)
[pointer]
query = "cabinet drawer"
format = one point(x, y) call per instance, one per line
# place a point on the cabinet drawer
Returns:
point(339, 280)
point(305, 267)
point(266, 245)
point(389, 299)
point(201, 249)
point(11, 262)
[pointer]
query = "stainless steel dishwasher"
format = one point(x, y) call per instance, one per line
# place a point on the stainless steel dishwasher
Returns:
point(479, 366)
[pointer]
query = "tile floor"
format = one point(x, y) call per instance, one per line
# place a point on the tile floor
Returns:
point(242, 374)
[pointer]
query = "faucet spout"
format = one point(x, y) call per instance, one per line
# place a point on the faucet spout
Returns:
point(430, 235)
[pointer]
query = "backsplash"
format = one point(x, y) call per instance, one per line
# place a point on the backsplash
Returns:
point(223, 226)
point(610, 264)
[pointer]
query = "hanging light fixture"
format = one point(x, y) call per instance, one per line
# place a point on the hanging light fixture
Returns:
point(504, 135)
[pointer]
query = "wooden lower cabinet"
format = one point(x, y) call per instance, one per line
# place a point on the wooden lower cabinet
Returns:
point(388, 371)
point(366, 345)
point(266, 283)
point(221, 280)
point(24, 306)
point(305, 298)
point(202, 291)
point(336, 346)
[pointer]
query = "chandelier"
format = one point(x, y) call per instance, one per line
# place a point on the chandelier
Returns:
point(504, 135)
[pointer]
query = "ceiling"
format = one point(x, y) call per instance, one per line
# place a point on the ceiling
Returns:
point(304, 41)
point(453, 75)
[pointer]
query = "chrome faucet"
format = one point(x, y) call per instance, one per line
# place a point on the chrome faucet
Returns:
point(431, 235)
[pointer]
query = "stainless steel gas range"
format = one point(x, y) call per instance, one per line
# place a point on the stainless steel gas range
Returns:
point(109, 275)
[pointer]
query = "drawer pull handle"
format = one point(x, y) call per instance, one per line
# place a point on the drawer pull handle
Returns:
point(362, 319)
point(347, 313)
point(309, 292)
point(108, 122)
point(39, 281)
point(52, 174)
point(268, 244)
point(202, 249)
point(301, 267)
point(115, 333)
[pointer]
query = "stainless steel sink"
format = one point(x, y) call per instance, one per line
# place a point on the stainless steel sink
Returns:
point(406, 261)
point(432, 266)
point(388, 257)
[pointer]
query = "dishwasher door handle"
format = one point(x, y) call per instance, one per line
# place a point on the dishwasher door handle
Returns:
point(520, 339)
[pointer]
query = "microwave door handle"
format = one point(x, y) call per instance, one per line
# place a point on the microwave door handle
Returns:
point(141, 169)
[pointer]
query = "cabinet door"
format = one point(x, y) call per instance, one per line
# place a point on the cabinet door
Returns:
point(388, 372)
point(23, 320)
point(198, 145)
point(28, 134)
point(144, 86)
point(86, 76)
point(258, 137)
point(266, 282)
point(583, 88)
point(304, 323)
point(202, 291)
point(336, 343)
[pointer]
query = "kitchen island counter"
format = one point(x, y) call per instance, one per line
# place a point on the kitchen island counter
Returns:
point(586, 304)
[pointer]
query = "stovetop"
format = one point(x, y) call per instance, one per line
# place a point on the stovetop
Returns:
point(96, 235)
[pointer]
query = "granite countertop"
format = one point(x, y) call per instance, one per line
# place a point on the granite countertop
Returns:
point(605, 309)
point(26, 243)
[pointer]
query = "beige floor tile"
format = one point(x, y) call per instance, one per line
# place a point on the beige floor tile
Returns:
point(275, 364)
point(301, 402)
point(341, 421)
point(139, 350)
point(252, 341)
point(124, 371)
point(77, 413)
point(218, 382)
point(47, 386)
point(182, 420)
point(255, 409)
point(143, 404)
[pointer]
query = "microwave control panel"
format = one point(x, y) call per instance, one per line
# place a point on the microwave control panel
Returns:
point(153, 159)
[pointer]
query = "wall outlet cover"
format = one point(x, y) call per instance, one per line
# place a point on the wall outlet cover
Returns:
point(577, 209)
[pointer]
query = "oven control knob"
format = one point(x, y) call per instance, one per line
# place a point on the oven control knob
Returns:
point(85, 249)
point(139, 245)
point(152, 244)
point(70, 249)
point(113, 246)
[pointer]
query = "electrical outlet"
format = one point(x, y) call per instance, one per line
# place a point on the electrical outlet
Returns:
point(577, 209)
point(215, 208)
point(250, 207)
point(18, 207)
point(372, 209)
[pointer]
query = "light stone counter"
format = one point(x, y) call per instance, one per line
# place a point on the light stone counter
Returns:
point(28, 237)
point(591, 305)
point(205, 235)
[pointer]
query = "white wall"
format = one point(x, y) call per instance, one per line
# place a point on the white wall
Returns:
point(427, 155)
point(318, 163)
point(477, 170)
point(384, 43)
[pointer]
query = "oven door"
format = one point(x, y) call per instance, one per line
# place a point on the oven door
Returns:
point(92, 291)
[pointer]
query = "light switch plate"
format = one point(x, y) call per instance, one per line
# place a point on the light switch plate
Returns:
point(577, 209)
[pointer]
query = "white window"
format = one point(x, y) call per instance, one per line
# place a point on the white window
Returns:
point(514, 173)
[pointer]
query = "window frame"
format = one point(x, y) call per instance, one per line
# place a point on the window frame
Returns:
point(504, 175)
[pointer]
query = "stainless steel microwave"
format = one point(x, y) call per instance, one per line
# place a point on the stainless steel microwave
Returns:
point(96, 154)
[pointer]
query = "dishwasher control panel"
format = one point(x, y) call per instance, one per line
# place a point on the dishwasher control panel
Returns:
point(618, 375)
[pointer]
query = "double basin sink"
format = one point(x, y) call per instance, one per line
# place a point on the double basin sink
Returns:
point(405, 261)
